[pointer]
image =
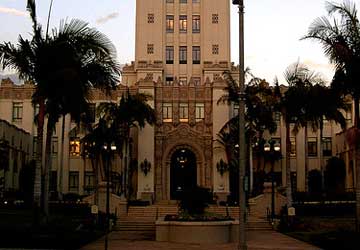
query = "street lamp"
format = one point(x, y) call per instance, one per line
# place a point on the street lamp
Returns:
point(273, 149)
point(108, 151)
point(242, 159)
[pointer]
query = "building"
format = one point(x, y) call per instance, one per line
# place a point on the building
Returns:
point(182, 49)
point(15, 154)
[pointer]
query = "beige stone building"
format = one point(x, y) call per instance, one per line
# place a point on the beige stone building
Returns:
point(182, 49)
point(15, 154)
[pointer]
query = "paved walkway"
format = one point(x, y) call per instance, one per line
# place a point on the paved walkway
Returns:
point(257, 240)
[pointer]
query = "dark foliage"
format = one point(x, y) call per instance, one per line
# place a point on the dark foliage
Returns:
point(195, 200)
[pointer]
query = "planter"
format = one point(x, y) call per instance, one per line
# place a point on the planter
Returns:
point(215, 232)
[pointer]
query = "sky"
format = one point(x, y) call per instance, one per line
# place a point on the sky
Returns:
point(272, 32)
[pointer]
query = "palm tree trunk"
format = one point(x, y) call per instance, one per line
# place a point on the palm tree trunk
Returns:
point(61, 155)
point(357, 160)
point(38, 166)
point(322, 168)
point(306, 159)
point(48, 164)
point(288, 167)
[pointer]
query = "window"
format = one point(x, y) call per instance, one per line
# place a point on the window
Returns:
point(184, 112)
point(170, 1)
point(169, 54)
point(183, 24)
point(312, 146)
point(182, 81)
point(89, 181)
point(73, 181)
point(17, 111)
point(150, 48)
point(326, 146)
point(169, 23)
point(34, 145)
point(151, 18)
point(196, 54)
point(196, 24)
point(236, 110)
point(215, 49)
point(169, 80)
point(167, 112)
point(53, 181)
point(277, 116)
point(183, 1)
point(197, 81)
point(36, 109)
point(74, 146)
point(54, 145)
point(196, 1)
point(199, 111)
point(183, 54)
point(215, 18)
point(293, 146)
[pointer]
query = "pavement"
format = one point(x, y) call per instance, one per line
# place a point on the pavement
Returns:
point(256, 240)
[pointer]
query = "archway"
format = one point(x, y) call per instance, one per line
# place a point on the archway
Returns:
point(183, 172)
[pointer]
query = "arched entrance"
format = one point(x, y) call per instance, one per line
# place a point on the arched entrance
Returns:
point(182, 172)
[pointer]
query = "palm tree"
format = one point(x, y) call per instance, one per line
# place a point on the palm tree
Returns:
point(340, 38)
point(132, 111)
point(259, 114)
point(63, 67)
point(326, 103)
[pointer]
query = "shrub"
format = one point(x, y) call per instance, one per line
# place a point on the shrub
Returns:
point(195, 200)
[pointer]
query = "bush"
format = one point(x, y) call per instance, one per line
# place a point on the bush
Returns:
point(195, 200)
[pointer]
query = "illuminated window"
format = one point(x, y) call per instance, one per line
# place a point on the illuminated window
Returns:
point(293, 146)
point(17, 111)
point(312, 146)
point(196, 24)
point(151, 18)
point(215, 49)
point(215, 18)
point(183, 23)
point(169, 23)
point(74, 146)
point(199, 111)
point(183, 54)
point(150, 48)
point(184, 112)
point(196, 54)
point(169, 54)
point(182, 81)
point(73, 181)
point(167, 112)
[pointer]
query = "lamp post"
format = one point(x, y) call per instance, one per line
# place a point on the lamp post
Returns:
point(242, 159)
point(108, 152)
point(273, 148)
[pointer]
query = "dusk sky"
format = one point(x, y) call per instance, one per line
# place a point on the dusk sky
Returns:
point(272, 29)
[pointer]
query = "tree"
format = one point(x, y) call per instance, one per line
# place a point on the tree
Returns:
point(259, 116)
point(339, 34)
point(63, 67)
point(115, 124)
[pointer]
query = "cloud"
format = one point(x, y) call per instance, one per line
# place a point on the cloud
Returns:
point(12, 11)
point(102, 20)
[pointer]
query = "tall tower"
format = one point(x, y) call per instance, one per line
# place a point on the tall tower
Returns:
point(182, 49)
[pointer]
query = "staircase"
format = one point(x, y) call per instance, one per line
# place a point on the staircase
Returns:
point(139, 223)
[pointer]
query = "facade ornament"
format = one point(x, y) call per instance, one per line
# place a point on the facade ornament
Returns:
point(145, 166)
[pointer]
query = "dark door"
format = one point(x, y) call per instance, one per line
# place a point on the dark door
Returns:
point(182, 172)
